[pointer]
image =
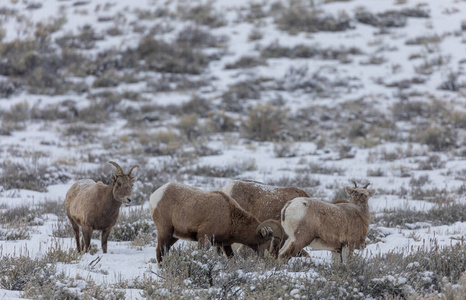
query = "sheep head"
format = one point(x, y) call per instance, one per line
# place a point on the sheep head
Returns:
point(272, 235)
point(123, 184)
point(359, 194)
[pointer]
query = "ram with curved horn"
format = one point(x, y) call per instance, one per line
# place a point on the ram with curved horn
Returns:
point(340, 228)
point(184, 212)
point(94, 205)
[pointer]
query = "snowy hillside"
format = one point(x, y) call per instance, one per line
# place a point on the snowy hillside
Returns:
point(305, 93)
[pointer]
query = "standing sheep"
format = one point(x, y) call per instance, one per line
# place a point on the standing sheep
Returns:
point(339, 227)
point(95, 206)
point(183, 212)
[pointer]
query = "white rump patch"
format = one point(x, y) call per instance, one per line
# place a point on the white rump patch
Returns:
point(294, 213)
point(157, 196)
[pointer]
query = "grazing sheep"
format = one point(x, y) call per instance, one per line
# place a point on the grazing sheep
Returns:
point(95, 206)
point(339, 227)
point(183, 212)
point(263, 201)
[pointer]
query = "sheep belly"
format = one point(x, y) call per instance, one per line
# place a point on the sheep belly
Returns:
point(318, 244)
point(192, 225)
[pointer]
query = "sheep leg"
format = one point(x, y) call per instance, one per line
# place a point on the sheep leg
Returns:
point(291, 248)
point(302, 253)
point(227, 250)
point(76, 233)
point(104, 238)
point(87, 233)
point(163, 246)
point(344, 254)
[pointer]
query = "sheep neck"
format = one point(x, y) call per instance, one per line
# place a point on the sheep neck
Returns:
point(244, 230)
point(111, 205)
point(363, 207)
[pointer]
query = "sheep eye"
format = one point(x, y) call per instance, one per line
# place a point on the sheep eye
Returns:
point(118, 184)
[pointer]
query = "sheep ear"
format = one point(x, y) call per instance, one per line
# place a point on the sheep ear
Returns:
point(349, 190)
point(134, 178)
point(371, 192)
point(114, 177)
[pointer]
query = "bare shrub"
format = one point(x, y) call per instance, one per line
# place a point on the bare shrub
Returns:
point(85, 39)
point(300, 180)
point(220, 121)
point(275, 50)
point(235, 97)
point(320, 168)
point(246, 62)
point(108, 79)
point(160, 56)
point(133, 224)
point(31, 176)
point(9, 88)
point(385, 19)
point(300, 17)
point(424, 40)
point(17, 273)
point(452, 83)
point(438, 138)
point(429, 65)
point(433, 162)
point(255, 35)
point(197, 105)
point(264, 122)
point(319, 82)
point(197, 37)
point(165, 142)
point(202, 14)
point(379, 172)
point(441, 214)
point(224, 171)
point(16, 118)
point(284, 149)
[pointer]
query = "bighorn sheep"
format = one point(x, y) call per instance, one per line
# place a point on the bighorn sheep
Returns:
point(95, 206)
point(340, 228)
point(183, 212)
point(263, 201)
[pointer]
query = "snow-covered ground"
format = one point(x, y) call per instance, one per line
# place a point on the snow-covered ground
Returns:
point(342, 117)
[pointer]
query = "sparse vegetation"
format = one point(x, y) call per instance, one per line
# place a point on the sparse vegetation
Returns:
point(311, 94)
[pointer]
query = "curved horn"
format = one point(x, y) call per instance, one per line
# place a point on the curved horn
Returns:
point(277, 229)
point(355, 185)
point(132, 168)
point(365, 187)
point(120, 171)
